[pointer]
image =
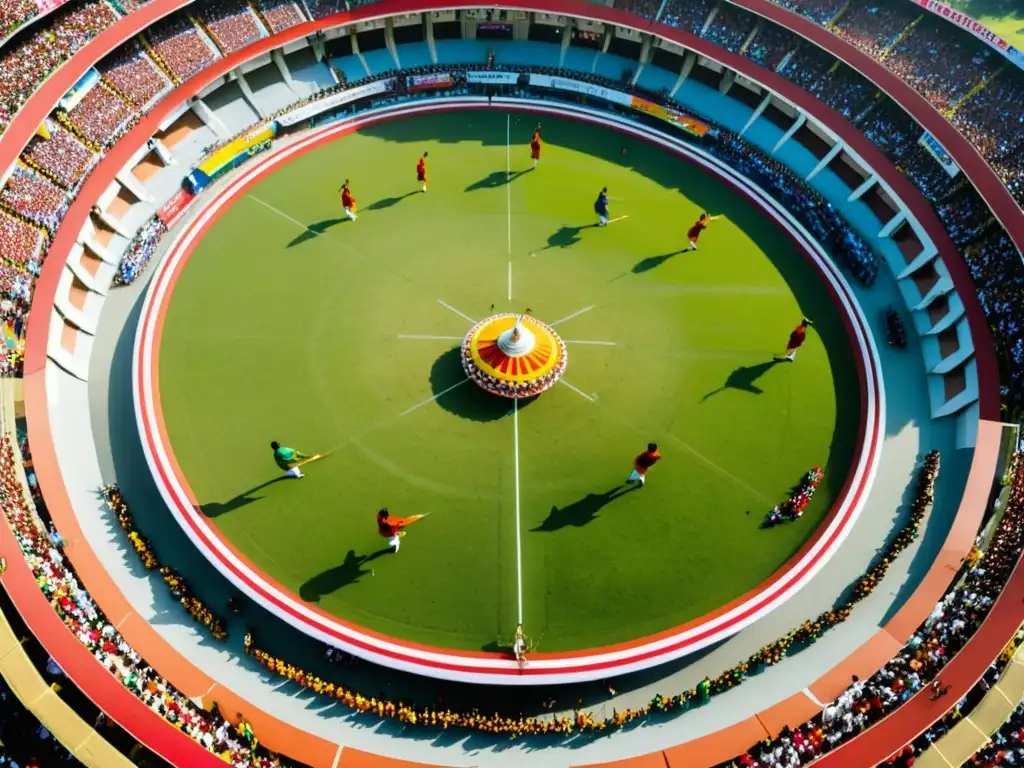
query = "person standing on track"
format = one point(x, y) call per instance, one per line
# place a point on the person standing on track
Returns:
point(796, 340)
point(601, 207)
point(348, 202)
point(288, 459)
point(642, 463)
point(535, 146)
point(421, 171)
point(696, 229)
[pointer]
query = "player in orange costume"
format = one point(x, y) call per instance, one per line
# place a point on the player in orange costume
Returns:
point(796, 340)
point(696, 229)
point(642, 463)
point(421, 171)
point(391, 527)
point(348, 202)
point(535, 145)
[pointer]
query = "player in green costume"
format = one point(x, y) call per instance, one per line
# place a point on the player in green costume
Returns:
point(288, 459)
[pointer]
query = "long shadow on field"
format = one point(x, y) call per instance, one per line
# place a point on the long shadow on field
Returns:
point(216, 509)
point(743, 379)
point(496, 179)
point(388, 202)
point(315, 230)
point(333, 579)
point(584, 511)
point(566, 237)
point(653, 262)
point(467, 401)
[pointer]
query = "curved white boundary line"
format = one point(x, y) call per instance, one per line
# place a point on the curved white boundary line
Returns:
point(480, 668)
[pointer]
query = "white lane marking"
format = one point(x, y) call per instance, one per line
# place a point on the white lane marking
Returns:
point(429, 400)
point(457, 312)
point(570, 317)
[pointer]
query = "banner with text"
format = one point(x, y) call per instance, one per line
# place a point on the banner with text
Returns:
point(687, 123)
point(976, 28)
point(941, 156)
point(429, 82)
point(333, 102)
point(493, 78)
point(585, 89)
point(172, 211)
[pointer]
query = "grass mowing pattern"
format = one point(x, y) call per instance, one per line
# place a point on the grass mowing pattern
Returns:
point(277, 332)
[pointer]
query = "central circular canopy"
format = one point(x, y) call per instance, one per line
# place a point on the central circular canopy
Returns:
point(513, 355)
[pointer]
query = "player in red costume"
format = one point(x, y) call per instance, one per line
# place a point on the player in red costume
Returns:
point(694, 232)
point(421, 171)
point(796, 340)
point(390, 527)
point(348, 202)
point(535, 145)
point(643, 462)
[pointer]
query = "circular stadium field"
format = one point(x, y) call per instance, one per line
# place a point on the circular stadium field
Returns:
point(291, 323)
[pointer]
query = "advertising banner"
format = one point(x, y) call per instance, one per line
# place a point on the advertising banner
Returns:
point(577, 86)
point(310, 111)
point(232, 154)
point(687, 123)
point(172, 211)
point(937, 151)
point(977, 29)
point(493, 78)
point(429, 82)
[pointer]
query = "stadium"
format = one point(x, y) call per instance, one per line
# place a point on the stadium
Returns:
point(632, 383)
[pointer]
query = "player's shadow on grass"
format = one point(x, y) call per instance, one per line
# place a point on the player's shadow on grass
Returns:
point(584, 511)
point(496, 179)
point(566, 237)
point(388, 202)
point(744, 378)
point(315, 230)
point(466, 400)
point(349, 572)
point(216, 509)
point(653, 262)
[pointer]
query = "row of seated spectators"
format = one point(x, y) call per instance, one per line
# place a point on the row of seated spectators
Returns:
point(231, 23)
point(918, 665)
point(179, 47)
point(1006, 747)
point(29, 58)
point(42, 549)
point(278, 15)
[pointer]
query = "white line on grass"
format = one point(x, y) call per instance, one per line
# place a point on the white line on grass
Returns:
point(427, 336)
point(724, 472)
point(284, 215)
point(519, 536)
point(593, 343)
point(579, 392)
point(429, 400)
point(457, 312)
point(570, 317)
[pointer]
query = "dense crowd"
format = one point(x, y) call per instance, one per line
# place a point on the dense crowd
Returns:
point(21, 246)
point(132, 74)
point(808, 64)
point(14, 13)
point(230, 22)
point(26, 62)
point(139, 251)
point(917, 666)
point(62, 157)
point(280, 14)
point(24, 741)
point(235, 744)
point(964, 215)
point(770, 46)
point(1006, 746)
point(874, 25)
point(321, 8)
point(688, 15)
point(845, 90)
point(890, 128)
point(818, 11)
point(101, 117)
point(177, 44)
point(33, 197)
point(932, 179)
point(731, 27)
point(807, 206)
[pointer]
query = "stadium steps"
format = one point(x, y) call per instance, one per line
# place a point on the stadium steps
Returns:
point(708, 21)
point(157, 59)
point(839, 15)
point(308, 74)
point(900, 38)
point(973, 92)
point(206, 35)
point(751, 37)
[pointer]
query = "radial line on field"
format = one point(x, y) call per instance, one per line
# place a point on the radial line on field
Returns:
point(429, 400)
point(578, 391)
point(508, 194)
point(457, 312)
point(428, 336)
point(519, 535)
point(577, 313)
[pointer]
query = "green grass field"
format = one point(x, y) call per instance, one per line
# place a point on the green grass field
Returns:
point(275, 332)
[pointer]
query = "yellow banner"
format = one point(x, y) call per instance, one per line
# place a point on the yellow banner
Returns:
point(234, 148)
point(689, 124)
